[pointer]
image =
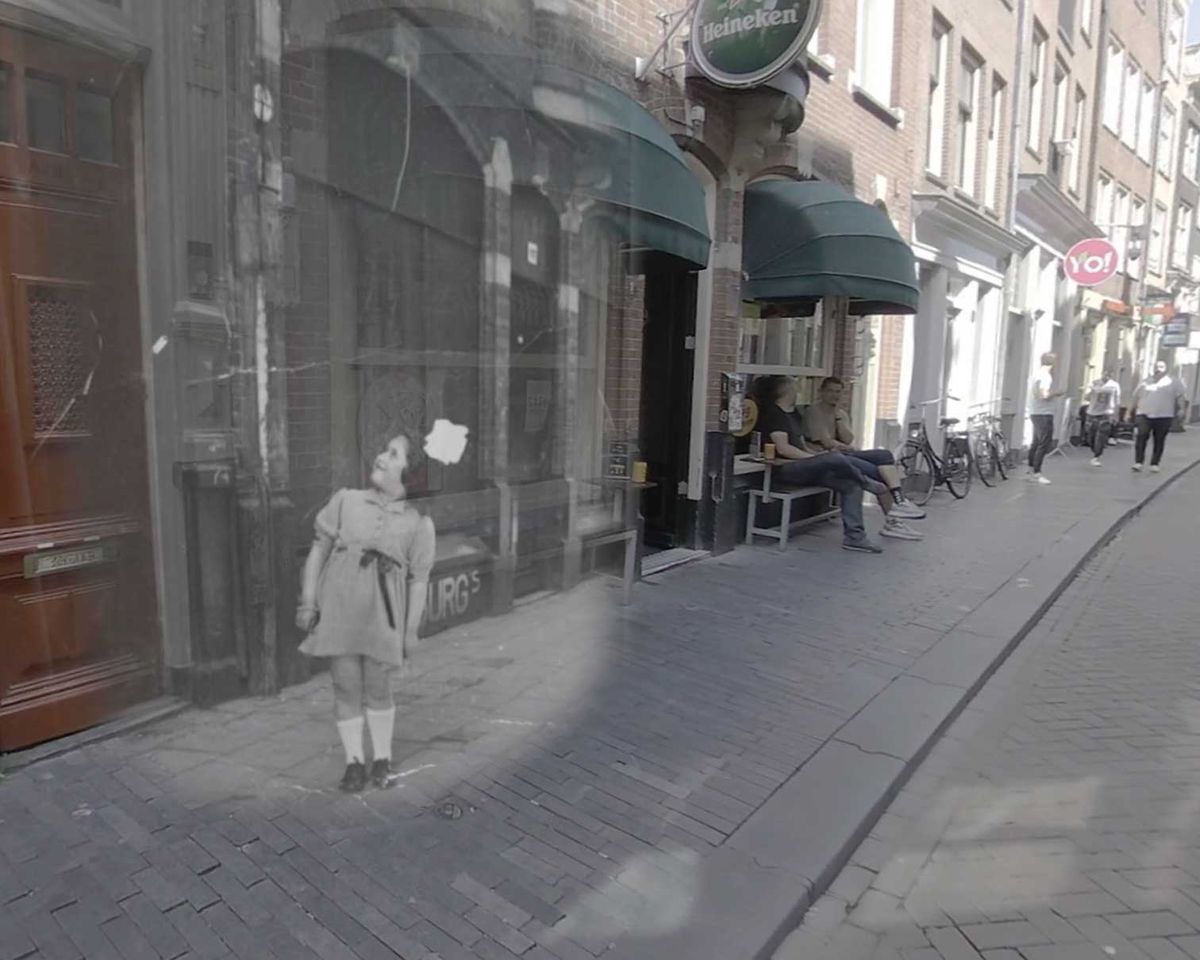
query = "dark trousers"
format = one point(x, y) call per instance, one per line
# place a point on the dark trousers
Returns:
point(1043, 439)
point(1100, 429)
point(834, 472)
point(1158, 427)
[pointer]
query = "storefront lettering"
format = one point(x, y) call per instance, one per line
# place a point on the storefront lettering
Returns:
point(759, 20)
point(744, 43)
point(451, 596)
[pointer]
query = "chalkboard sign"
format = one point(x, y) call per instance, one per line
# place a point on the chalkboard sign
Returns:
point(621, 455)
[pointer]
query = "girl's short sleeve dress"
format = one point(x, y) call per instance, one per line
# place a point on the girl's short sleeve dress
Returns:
point(363, 604)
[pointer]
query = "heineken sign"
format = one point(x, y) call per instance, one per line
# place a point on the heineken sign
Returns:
point(742, 43)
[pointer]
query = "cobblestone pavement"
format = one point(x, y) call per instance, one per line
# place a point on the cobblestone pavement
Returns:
point(568, 770)
point(1060, 818)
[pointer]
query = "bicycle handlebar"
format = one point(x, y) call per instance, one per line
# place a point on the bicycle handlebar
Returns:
point(930, 403)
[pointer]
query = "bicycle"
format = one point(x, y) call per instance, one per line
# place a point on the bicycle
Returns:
point(924, 470)
point(989, 448)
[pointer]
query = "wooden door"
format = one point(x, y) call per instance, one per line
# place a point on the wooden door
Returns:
point(78, 619)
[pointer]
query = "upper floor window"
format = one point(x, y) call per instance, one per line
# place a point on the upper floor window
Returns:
point(1175, 33)
point(1181, 245)
point(1130, 99)
point(968, 120)
point(935, 138)
point(1078, 125)
point(875, 48)
point(996, 121)
point(1191, 153)
point(1166, 140)
point(1146, 111)
point(1037, 70)
point(1085, 17)
point(1114, 72)
point(1066, 18)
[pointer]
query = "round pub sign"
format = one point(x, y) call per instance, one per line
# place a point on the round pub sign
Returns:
point(742, 43)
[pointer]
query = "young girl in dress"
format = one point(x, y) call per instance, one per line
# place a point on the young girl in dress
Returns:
point(361, 602)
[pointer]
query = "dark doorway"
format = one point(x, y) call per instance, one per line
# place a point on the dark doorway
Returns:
point(668, 349)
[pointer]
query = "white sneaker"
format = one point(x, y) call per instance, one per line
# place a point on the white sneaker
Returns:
point(899, 530)
point(1096, 461)
point(906, 510)
point(1137, 468)
point(1155, 468)
point(1043, 480)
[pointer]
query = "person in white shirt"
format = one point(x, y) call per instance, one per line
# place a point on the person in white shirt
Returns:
point(1043, 406)
point(1156, 403)
point(1104, 403)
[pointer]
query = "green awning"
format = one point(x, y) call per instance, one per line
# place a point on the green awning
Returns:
point(568, 132)
point(808, 240)
point(638, 171)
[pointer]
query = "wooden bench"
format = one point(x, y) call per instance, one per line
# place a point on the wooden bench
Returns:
point(785, 496)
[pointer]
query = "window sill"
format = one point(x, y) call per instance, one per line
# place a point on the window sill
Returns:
point(1035, 154)
point(892, 116)
point(1067, 42)
point(822, 64)
point(940, 182)
point(966, 197)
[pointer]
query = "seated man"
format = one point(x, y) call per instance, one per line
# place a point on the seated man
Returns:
point(781, 426)
point(827, 427)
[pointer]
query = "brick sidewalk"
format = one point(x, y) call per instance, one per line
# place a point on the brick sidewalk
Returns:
point(1058, 820)
point(571, 773)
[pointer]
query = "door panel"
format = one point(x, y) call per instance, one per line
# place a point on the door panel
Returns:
point(77, 598)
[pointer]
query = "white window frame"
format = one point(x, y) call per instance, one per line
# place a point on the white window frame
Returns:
point(1037, 77)
point(967, 117)
point(1085, 18)
point(1114, 86)
point(1105, 197)
point(1146, 110)
point(874, 57)
point(996, 121)
point(1191, 153)
point(1185, 218)
point(1131, 96)
point(935, 140)
point(1078, 125)
point(1166, 139)
point(1120, 225)
point(1154, 248)
point(1176, 28)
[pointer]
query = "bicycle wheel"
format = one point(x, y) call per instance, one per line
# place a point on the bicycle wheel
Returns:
point(985, 461)
point(917, 482)
point(957, 468)
point(1002, 454)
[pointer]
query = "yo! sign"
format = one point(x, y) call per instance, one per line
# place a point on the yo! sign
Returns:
point(1091, 261)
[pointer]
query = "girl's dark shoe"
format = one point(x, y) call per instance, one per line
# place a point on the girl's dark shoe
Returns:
point(381, 774)
point(354, 779)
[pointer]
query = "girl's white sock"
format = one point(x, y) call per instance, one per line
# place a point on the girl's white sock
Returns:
point(351, 732)
point(381, 723)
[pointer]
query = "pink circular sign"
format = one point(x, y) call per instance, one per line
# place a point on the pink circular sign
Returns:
point(1090, 261)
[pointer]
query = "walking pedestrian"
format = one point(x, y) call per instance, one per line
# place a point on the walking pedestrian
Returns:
point(1155, 405)
point(1042, 407)
point(362, 597)
point(1104, 402)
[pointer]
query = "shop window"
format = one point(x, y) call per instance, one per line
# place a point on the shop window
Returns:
point(46, 113)
point(94, 126)
point(6, 132)
point(775, 341)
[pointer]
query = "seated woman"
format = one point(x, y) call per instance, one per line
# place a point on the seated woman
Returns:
point(827, 427)
point(781, 425)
